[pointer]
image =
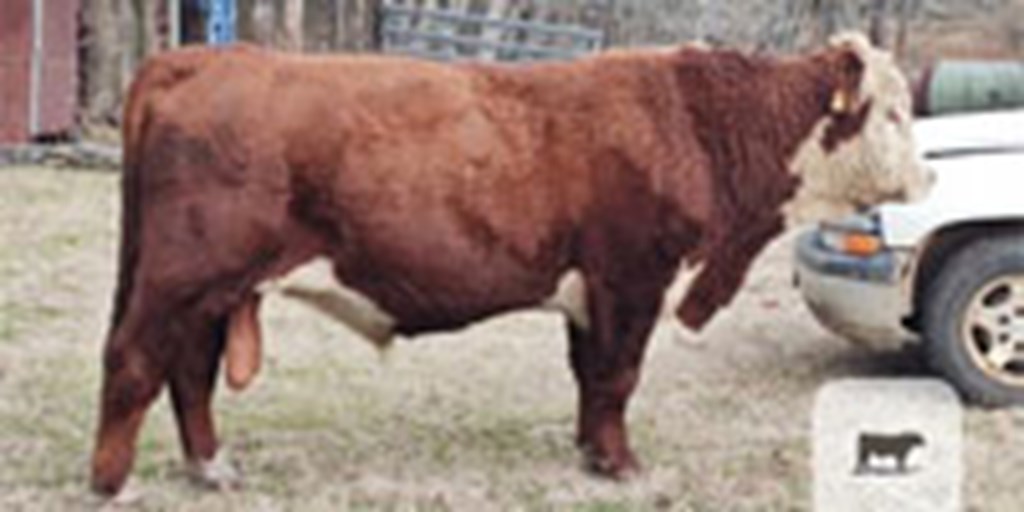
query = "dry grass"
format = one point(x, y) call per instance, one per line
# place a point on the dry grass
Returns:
point(477, 420)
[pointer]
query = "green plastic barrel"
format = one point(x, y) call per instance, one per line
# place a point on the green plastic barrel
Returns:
point(965, 86)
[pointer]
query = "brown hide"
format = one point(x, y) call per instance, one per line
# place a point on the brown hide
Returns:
point(444, 193)
point(750, 115)
point(409, 173)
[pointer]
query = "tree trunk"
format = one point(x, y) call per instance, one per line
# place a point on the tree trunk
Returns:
point(907, 9)
point(193, 23)
point(101, 61)
point(355, 25)
point(290, 16)
point(711, 21)
point(256, 21)
point(785, 30)
point(126, 24)
point(877, 29)
point(145, 37)
point(338, 29)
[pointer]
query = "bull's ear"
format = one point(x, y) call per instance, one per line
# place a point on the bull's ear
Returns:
point(849, 71)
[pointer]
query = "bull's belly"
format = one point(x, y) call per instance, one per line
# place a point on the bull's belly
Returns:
point(392, 306)
point(315, 285)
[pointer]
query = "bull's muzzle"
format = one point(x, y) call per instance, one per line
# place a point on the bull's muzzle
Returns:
point(916, 188)
point(920, 187)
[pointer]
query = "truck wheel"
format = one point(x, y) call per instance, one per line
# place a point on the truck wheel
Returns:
point(974, 321)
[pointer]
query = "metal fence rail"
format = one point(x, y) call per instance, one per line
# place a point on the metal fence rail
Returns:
point(450, 34)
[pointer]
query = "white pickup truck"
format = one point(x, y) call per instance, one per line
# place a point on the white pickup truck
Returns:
point(948, 270)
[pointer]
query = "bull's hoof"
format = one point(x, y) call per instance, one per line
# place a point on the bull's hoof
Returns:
point(109, 475)
point(127, 497)
point(218, 473)
point(621, 469)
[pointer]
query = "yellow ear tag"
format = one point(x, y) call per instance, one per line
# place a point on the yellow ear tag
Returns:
point(840, 102)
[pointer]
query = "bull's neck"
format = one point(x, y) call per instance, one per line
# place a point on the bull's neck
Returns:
point(806, 88)
point(751, 115)
point(776, 109)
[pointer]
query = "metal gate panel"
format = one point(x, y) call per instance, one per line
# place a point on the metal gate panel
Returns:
point(455, 34)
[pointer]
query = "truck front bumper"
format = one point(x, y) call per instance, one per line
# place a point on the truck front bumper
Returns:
point(862, 299)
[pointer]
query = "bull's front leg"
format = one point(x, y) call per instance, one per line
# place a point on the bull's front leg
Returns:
point(606, 359)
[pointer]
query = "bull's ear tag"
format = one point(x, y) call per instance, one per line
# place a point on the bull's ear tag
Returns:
point(841, 103)
point(887, 444)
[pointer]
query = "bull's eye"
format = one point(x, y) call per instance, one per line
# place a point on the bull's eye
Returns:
point(894, 116)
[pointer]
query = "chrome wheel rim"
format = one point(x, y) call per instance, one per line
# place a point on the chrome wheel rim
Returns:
point(993, 329)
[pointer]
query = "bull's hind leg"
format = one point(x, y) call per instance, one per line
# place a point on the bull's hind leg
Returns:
point(606, 360)
point(191, 289)
point(134, 368)
point(192, 379)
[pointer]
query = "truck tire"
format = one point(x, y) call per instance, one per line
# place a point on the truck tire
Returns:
point(973, 320)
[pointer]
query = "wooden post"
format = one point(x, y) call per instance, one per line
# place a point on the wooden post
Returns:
point(256, 21)
point(877, 21)
point(101, 63)
point(338, 24)
point(173, 23)
point(291, 16)
point(906, 10)
point(145, 40)
point(36, 70)
point(355, 25)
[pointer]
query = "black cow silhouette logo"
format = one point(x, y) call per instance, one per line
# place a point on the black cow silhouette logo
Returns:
point(873, 447)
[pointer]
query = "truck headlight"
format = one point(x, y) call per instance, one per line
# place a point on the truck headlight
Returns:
point(856, 235)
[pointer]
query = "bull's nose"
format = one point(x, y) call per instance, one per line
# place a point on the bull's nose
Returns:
point(900, 196)
point(919, 186)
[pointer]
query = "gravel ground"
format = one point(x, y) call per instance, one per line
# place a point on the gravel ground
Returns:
point(475, 420)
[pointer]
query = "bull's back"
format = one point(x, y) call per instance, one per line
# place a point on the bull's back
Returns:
point(421, 174)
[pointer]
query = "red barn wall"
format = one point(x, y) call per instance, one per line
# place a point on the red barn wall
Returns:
point(15, 68)
point(58, 69)
point(59, 84)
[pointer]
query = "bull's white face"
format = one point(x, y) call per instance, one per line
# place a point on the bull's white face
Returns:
point(877, 164)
